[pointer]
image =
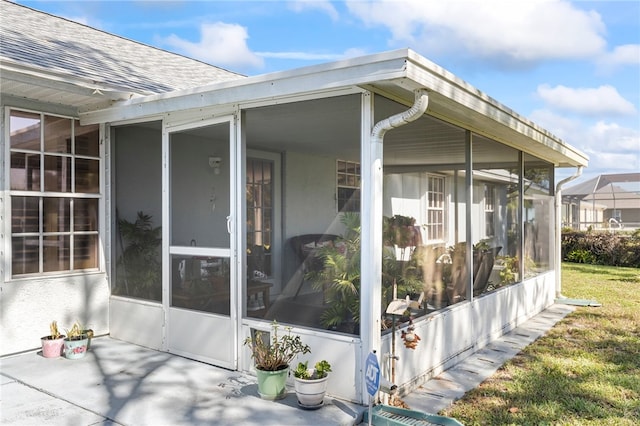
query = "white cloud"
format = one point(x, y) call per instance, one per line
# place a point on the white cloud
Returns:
point(610, 146)
point(314, 5)
point(589, 101)
point(607, 161)
point(518, 32)
point(220, 44)
point(628, 54)
point(615, 137)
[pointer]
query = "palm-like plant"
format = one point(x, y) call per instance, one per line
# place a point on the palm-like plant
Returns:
point(340, 276)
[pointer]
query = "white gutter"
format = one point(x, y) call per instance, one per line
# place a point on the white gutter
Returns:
point(371, 299)
point(558, 238)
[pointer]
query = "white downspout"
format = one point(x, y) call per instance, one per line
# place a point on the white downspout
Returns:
point(371, 254)
point(419, 107)
point(558, 239)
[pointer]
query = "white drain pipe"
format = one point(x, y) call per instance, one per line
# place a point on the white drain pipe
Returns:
point(558, 253)
point(419, 107)
point(370, 308)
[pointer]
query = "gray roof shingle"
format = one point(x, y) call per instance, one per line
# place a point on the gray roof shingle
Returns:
point(37, 40)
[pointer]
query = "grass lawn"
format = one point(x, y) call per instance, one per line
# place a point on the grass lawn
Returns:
point(584, 371)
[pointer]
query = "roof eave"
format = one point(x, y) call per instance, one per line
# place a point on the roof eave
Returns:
point(400, 71)
point(92, 93)
point(317, 78)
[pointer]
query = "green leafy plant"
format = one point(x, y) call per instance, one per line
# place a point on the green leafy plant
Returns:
point(509, 274)
point(581, 256)
point(321, 370)
point(340, 277)
point(276, 354)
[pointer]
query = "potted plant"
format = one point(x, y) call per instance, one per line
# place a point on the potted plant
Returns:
point(311, 383)
point(272, 359)
point(76, 343)
point(53, 343)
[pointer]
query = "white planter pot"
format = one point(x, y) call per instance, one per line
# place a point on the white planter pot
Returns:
point(310, 393)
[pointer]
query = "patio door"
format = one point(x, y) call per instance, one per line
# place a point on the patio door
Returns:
point(201, 291)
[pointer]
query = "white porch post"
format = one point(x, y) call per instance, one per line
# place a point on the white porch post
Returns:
point(371, 219)
point(371, 236)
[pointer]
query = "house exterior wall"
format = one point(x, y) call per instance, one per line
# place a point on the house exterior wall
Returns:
point(628, 217)
point(29, 304)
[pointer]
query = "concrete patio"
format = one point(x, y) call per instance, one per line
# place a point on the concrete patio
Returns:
point(121, 383)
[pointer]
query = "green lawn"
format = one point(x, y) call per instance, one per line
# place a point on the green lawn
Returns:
point(584, 371)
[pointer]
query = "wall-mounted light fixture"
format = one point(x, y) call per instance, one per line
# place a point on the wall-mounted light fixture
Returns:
point(214, 163)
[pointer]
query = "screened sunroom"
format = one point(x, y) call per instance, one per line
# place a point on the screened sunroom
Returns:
point(318, 196)
point(179, 206)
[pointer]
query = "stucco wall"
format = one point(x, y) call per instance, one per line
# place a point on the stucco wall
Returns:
point(28, 306)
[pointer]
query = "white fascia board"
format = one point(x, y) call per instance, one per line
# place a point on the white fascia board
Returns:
point(315, 79)
point(474, 110)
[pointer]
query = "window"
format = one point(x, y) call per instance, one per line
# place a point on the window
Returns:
point(259, 217)
point(435, 208)
point(489, 210)
point(55, 192)
point(348, 174)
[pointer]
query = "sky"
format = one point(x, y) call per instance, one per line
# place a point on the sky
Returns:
point(572, 67)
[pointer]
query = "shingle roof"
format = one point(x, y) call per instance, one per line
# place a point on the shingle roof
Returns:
point(595, 184)
point(37, 40)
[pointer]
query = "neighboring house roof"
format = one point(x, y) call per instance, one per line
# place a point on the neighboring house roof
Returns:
point(614, 191)
point(49, 52)
point(595, 184)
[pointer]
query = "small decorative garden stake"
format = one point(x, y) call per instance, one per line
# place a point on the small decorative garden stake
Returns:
point(410, 338)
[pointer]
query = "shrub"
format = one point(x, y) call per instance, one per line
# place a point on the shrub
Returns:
point(602, 248)
point(581, 256)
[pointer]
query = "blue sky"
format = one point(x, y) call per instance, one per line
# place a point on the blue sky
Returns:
point(572, 67)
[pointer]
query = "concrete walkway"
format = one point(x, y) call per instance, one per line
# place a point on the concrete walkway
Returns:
point(123, 384)
point(440, 392)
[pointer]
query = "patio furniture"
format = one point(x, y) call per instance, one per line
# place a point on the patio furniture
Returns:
point(481, 278)
point(483, 260)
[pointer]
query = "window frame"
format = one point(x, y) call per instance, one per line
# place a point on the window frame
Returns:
point(428, 209)
point(352, 203)
point(67, 199)
point(489, 201)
